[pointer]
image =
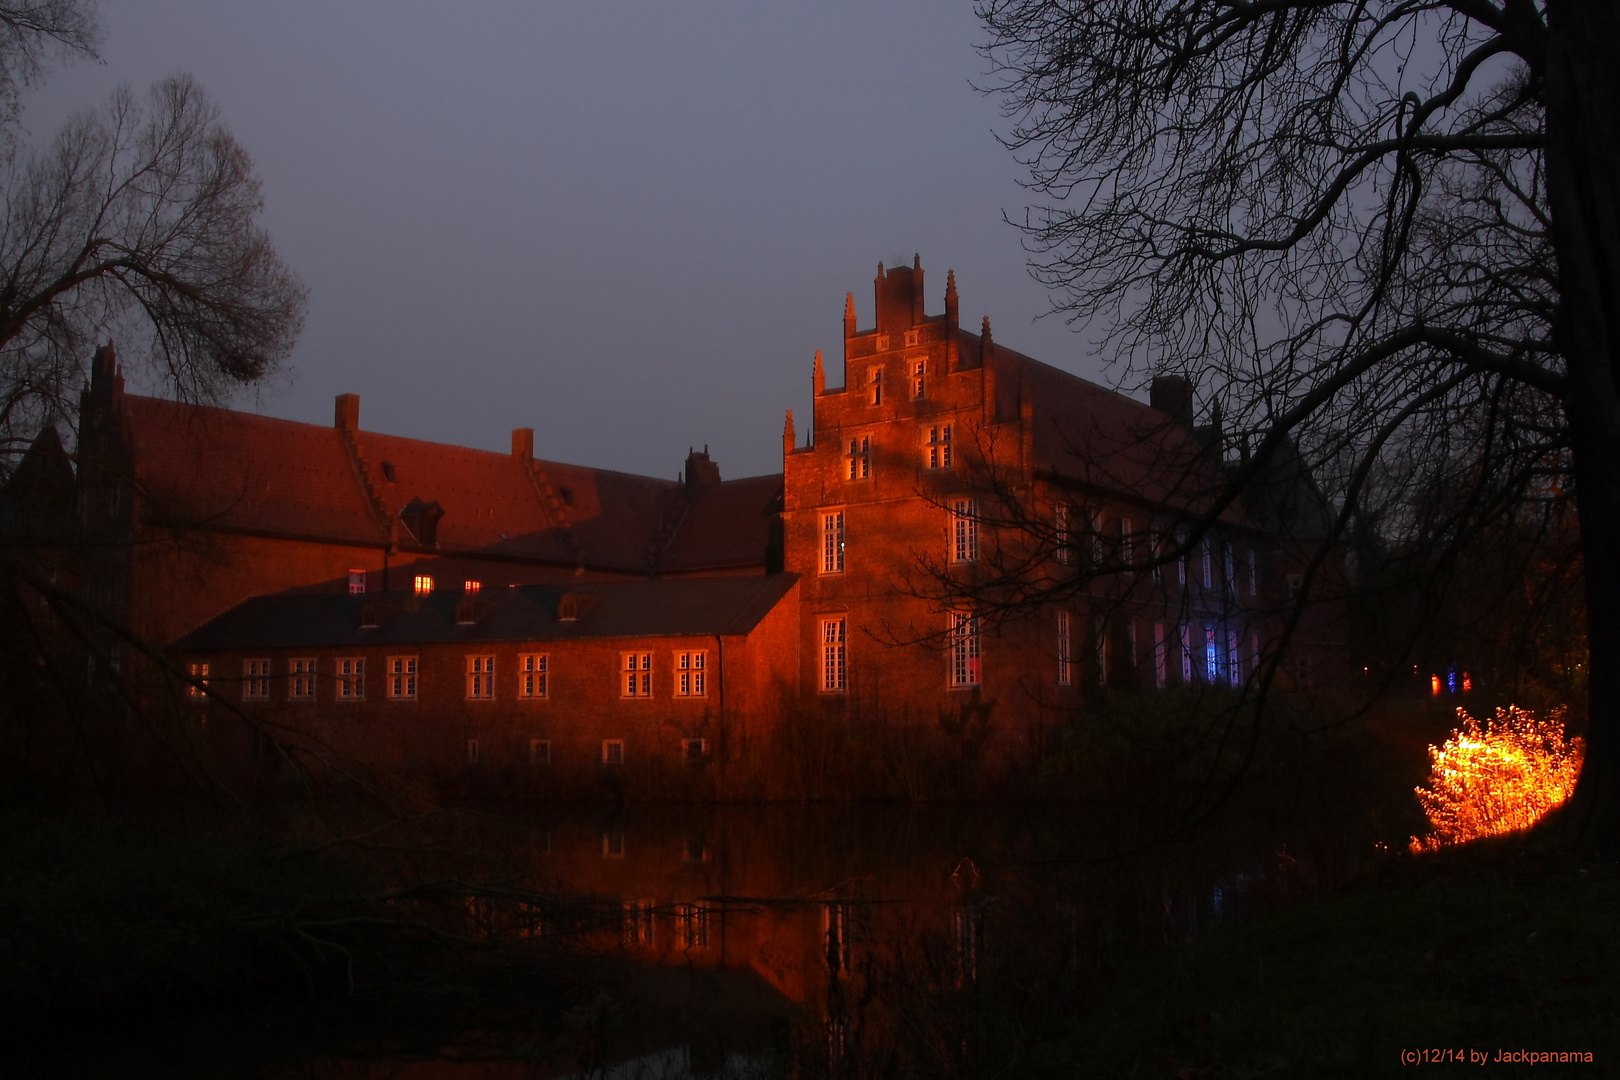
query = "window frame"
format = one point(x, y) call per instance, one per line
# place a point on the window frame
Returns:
point(403, 673)
point(859, 458)
point(199, 681)
point(635, 683)
point(966, 651)
point(834, 655)
point(937, 442)
point(534, 676)
point(421, 584)
point(613, 753)
point(357, 587)
point(349, 678)
point(301, 672)
point(691, 673)
point(480, 672)
point(964, 538)
point(834, 542)
point(1065, 656)
point(256, 679)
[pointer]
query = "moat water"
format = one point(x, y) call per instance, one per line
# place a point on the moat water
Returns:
point(743, 942)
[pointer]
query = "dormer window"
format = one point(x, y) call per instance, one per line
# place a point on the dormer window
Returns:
point(422, 519)
point(368, 616)
point(471, 588)
point(568, 608)
point(466, 612)
point(423, 584)
point(357, 582)
point(388, 471)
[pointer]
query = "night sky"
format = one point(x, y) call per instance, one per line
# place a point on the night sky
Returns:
point(627, 225)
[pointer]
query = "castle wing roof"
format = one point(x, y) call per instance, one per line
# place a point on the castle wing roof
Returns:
point(667, 607)
point(729, 525)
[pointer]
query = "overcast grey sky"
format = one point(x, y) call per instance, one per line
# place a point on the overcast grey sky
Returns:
point(624, 223)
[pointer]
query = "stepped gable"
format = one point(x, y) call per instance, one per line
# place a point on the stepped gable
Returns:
point(1103, 439)
point(199, 465)
point(670, 607)
point(728, 526)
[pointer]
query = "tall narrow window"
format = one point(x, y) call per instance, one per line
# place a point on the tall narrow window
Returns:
point(860, 457)
point(1234, 658)
point(964, 641)
point(301, 679)
point(1062, 541)
point(1127, 551)
point(1160, 674)
point(1254, 575)
point(351, 680)
point(357, 582)
point(1254, 651)
point(1097, 539)
point(1064, 673)
point(472, 751)
point(919, 377)
point(874, 386)
point(1209, 566)
point(832, 542)
point(939, 446)
point(480, 677)
point(964, 531)
point(1231, 570)
point(1212, 655)
point(1181, 559)
point(689, 674)
point(1186, 654)
point(834, 669)
point(199, 681)
point(256, 680)
point(533, 675)
point(423, 584)
point(637, 671)
point(1102, 652)
point(402, 678)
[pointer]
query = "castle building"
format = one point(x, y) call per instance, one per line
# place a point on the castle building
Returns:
point(443, 609)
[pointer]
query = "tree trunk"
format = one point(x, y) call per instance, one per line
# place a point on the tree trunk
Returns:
point(1583, 183)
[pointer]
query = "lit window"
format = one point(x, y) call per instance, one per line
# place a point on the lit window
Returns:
point(613, 754)
point(351, 680)
point(424, 584)
point(833, 659)
point(481, 677)
point(301, 679)
point(832, 543)
point(402, 678)
point(639, 923)
point(532, 675)
point(939, 447)
point(1186, 654)
point(689, 674)
point(692, 750)
point(357, 582)
point(874, 385)
point(1060, 533)
point(1155, 550)
point(1181, 560)
point(860, 457)
point(199, 681)
point(964, 531)
point(964, 642)
point(1254, 575)
point(694, 920)
point(539, 751)
point(1212, 655)
point(1064, 675)
point(1160, 675)
point(919, 380)
point(255, 680)
point(472, 751)
point(637, 671)
point(471, 586)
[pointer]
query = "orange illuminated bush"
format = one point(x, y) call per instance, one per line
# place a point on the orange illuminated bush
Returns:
point(1499, 778)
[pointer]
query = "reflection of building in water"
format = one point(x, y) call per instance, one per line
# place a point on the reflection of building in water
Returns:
point(491, 617)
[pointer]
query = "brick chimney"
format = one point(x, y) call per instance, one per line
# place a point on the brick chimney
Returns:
point(346, 414)
point(1172, 395)
point(523, 443)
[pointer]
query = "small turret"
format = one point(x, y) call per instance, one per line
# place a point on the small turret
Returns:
point(916, 290)
point(818, 377)
point(953, 351)
point(789, 439)
point(849, 315)
point(987, 371)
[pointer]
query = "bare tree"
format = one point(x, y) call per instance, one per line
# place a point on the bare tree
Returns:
point(1385, 232)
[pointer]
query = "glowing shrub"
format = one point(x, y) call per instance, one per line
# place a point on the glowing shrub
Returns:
point(1499, 778)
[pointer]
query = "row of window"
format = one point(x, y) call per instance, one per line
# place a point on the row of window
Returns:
point(936, 452)
point(401, 675)
point(1204, 654)
point(693, 751)
point(421, 584)
point(962, 649)
point(963, 542)
point(1156, 541)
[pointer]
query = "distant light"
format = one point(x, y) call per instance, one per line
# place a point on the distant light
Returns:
point(1468, 684)
point(1434, 684)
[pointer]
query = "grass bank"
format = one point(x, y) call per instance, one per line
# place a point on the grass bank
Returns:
point(1463, 952)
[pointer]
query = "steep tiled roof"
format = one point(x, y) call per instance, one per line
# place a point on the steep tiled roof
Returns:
point(1101, 439)
point(669, 607)
point(198, 465)
point(219, 468)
